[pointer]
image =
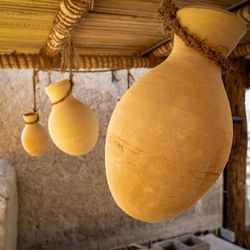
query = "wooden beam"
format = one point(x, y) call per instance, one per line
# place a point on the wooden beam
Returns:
point(235, 172)
point(244, 14)
point(242, 50)
point(68, 15)
point(164, 50)
point(22, 61)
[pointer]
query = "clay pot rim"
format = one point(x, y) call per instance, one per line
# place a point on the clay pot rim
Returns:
point(31, 118)
point(211, 8)
point(30, 114)
point(57, 84)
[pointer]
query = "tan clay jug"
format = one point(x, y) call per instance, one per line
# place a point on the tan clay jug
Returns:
point(34, 137)
point(170, 136)
point(73, 126)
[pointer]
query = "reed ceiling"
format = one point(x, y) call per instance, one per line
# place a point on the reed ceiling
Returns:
point(126, 27)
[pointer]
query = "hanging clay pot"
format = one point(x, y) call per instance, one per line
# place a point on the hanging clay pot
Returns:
point(34, 137)
point(170, 135)
point(73, 126)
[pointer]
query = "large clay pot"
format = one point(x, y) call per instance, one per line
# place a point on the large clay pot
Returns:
point(34, 137)
point(73, 126)
point(170, 136)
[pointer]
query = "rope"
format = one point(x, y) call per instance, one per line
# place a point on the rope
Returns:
point(69, 14)
point(66, 95)
point(171, 25)
point(130, 78)
point(90, 71)
point(67, 59)
point(35, 80)
point(49, 77)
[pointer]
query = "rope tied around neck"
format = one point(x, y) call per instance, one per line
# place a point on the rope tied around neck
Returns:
point(171, 25)
point(67, 56)
point(68, 92)
point(35, 109)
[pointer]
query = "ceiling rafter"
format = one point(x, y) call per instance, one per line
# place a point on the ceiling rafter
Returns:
point(69, 14)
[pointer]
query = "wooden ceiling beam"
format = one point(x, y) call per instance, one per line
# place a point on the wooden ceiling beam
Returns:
point(242, 50)
point(25, 61)
point(69, 14)
point(244, 13)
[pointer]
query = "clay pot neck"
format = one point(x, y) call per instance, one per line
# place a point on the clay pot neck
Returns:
point(191, 59)
point(58, 90)
point(219, 29)
point(31, 118)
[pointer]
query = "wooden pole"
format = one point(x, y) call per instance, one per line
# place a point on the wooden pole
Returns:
point(244, 13)
point(23, 61)
point(242, 50)
point(164, 50)
point(235, 85)
point(69, 14)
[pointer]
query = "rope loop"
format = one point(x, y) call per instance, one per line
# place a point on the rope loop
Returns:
point(66, 95)
point(68, 55)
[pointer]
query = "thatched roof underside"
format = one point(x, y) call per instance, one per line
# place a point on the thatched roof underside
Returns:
point(127, 27)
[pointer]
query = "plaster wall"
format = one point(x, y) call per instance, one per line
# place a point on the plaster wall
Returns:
point(64, 201)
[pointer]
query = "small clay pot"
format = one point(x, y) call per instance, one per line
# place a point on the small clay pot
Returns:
point(73, 126)
point(34, 137)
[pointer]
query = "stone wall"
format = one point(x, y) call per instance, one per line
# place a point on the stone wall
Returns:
point(64, 201)
point(8, 206)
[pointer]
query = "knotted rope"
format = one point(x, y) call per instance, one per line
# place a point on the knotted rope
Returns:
point(68, 92)
point(34, 83)
point(67, 60)
point(171, 25)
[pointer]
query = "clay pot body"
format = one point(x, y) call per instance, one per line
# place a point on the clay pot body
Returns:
point(170, 136)
point(73, 126)
point(34, 137)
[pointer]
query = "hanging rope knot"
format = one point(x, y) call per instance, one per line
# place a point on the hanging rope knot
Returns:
point(171, 25)
point(67, 93)
point(68, 57)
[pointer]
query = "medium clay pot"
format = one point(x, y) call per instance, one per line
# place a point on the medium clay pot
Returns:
point(170, 136)
point(34, 137)
point(73, 126)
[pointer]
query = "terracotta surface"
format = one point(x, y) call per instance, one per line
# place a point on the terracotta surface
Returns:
point(73, 126)
point(170, 136)
point(34, 137)
point(64, 201)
